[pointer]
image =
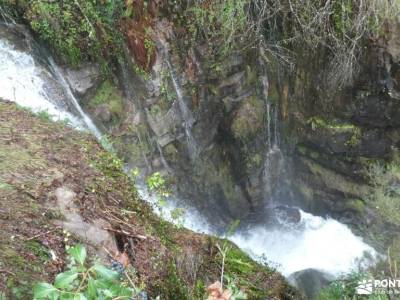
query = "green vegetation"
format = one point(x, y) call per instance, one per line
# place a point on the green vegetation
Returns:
point(109, 96)
point(249, 119)
point(83, 282)
point(344, 288)
point(385, 197)
point(340, 27)
point(77, 30)
point(318, 122)
point(225, 21)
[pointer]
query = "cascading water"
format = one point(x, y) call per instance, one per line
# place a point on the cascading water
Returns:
point(188, 119)
point(313, 242)
point(60, 78)
point(21, 82)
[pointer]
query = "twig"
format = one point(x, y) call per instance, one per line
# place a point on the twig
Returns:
point(138, 236)
point(40, 234)
point(7, 272)
point(130, 280)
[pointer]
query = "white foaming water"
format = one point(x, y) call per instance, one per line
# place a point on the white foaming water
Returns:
point(21, 82)
point(190, 218)
point(318, 243)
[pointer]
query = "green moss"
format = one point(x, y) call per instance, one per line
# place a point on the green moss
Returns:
point(385, 198)
point(106, 93)
point(317, 122)
point(109, 95)
point(337, 181)
point(248, 120)
point(357, 205)
point(355, 139)
point(172, 286)
point(253, 160)
point(38, 250)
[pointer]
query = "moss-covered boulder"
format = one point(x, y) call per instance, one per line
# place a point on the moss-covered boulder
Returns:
point(248, 119)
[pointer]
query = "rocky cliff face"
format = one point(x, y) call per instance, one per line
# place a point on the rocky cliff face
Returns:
point(219, 127)
point(201, 121)
point(211, 124)
point(337, 136)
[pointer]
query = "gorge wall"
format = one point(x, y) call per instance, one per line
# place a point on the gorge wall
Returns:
point(220, 125)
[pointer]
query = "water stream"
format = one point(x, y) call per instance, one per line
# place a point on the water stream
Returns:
point(21, 81)
point(62, 81)
point(188, 119)
point(314, 242)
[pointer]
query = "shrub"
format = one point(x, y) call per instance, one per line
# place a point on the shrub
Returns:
point(386, 193)
point(77, 30)
point(340, 27)
point(81, 282)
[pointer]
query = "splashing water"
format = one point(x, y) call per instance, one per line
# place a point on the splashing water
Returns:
point(318, 243)
point(21, 82)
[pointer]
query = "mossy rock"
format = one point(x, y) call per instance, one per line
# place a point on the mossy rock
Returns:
point(248, 119)
point(110, 98)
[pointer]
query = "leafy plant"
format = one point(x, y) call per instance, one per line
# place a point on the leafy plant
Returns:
point(385, 197)
point(157, 183)
point(80, 282)
point(44, 115)
point(225, 21)
point(77, 30)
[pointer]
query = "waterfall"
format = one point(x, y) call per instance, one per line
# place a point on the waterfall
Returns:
point(60, 78)
point(314, 242)
point(273, 161)
point(188, 119)
point(21, 81)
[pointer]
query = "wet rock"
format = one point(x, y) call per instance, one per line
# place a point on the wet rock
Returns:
point(84, 80)
point(310, 281)
point(157, 163)
point(17, 35)
point(248, 119)
point(286, 215)
point(376, 111)
point(102, 113)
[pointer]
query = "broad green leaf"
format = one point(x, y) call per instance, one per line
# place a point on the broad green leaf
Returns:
point(54, 295)
point(104, 272)
point(103, 283)
point(78, 252)
point(63, 280)
point(42, 290)
point(120, 291)
point(80, 296)
point(108, 293)
point(91, 289)
point(66, 296)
